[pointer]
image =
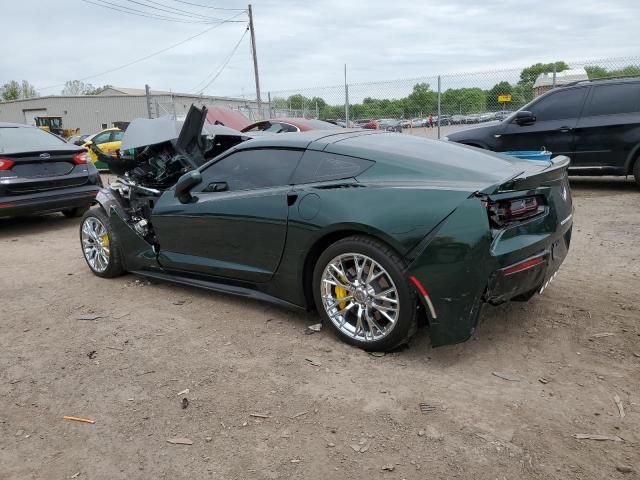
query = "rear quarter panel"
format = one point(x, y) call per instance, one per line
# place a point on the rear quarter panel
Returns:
point(399, 216)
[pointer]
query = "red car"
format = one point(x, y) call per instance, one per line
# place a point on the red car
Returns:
point(371, 125)
point(281, 125)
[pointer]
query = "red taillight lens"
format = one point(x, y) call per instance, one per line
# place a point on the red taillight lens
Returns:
point(503, 212)
point(81, 158)
point(5, 164)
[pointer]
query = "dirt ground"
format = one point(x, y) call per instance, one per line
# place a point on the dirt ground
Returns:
point(258, 408)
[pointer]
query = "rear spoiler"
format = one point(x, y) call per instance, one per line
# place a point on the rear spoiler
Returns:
point(533, 179)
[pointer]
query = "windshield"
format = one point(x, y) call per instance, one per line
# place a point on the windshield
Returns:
point(25, 139)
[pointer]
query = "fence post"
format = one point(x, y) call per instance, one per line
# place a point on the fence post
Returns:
point(269, 98)
point(439, 114)
point(346, 97)
point(147, 93)
point(554, 75)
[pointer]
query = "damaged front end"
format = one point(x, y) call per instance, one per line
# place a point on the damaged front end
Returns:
point(156, 153)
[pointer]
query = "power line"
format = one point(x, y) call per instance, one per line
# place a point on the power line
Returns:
point(146, 57)
point(222, 67)
point(183, 13)
point(208, 6)
point(132, 11)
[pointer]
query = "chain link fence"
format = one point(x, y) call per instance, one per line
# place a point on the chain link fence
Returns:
point(423, 104)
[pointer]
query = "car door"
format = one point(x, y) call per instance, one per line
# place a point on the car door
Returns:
point(603, 133)
point(236, 224)
point(556, 115)
point(113, 142)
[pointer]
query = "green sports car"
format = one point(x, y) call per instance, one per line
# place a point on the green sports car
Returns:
point(374, 230)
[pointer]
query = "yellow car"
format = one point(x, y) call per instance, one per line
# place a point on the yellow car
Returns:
point(108, 140)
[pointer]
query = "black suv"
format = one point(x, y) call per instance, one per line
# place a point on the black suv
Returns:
point(596, 123)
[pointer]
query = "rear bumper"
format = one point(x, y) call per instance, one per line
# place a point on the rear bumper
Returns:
point(465, 266)
point(51, 201)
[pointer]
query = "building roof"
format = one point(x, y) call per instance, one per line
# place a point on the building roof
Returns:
point(131, 91)
point(562, 78)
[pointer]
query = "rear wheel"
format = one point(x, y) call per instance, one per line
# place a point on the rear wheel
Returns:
point(361, 292)
point(100, 244)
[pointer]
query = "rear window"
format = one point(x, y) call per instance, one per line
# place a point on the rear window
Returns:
point(21, 139)
point(322, 166)
point(321, 125)
point(612, 99)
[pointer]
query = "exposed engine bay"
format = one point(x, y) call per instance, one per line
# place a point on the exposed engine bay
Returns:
point(157, 153)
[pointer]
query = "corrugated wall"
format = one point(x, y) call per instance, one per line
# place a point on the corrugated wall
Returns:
point(91, 113)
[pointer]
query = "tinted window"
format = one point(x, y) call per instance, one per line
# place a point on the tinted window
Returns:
point(116, 135)
point(22, 139)
point(273, 127)
point(321, 166)
point(560, 105)
point(321, 125)
point(250, 169)
point(611, 99)
point(101, 138)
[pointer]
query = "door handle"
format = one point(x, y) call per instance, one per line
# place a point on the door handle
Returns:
point(217, 187)
point(565, 129)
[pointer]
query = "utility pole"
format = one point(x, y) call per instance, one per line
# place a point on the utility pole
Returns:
point(255, 62)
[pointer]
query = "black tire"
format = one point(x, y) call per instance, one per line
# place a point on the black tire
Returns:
point(115, 266)
point(75, 212)
point(406, 323)
point(636, 171)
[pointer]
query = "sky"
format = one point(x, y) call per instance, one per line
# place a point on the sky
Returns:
point(302, 44)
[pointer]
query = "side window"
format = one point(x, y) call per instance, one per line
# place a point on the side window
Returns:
point(101, 138)
point(321, 166)
point(251, 169)
point(560, 105)
point(612, 99)
point(116, 136)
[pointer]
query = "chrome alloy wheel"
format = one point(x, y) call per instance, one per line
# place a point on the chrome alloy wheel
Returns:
point(95, 244)
point(360, 297)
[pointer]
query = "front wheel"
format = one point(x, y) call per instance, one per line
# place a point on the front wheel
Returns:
point(361, 292)
point(100, 244)
point(636, 171)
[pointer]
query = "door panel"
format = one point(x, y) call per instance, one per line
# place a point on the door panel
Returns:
point(228, 234)
point(557, 115)
point(609, 127)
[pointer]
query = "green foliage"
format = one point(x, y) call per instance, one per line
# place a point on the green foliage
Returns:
point(596, 71)
point(464, 100)
point(14, 90)
point(528, 75)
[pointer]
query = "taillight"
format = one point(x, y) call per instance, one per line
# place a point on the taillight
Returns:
point(504, 212)
point(5, 164)
point(81, 158)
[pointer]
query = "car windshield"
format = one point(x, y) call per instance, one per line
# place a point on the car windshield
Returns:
point(24, 139)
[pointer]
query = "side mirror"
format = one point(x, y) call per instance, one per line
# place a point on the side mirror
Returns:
point(185, 183)
point(78, 143)
point(524, 117)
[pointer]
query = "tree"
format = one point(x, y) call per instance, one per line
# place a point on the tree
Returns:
point(11, 90)
point(422, 100)
point(528, 75)
point(596, 71)
point(502, 88)
point(14, 90)
point(98, 90)
point(76, 87)
point(464, 100)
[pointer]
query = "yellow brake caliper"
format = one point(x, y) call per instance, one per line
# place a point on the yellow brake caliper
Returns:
point(341, 293)
point(105, 240)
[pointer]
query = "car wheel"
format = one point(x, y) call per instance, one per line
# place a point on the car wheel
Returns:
point(100, 244)
point(636, 171)
point(75, 212)
point(361, 292)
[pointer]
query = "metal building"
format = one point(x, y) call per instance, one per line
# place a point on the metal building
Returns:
point(92, 113)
